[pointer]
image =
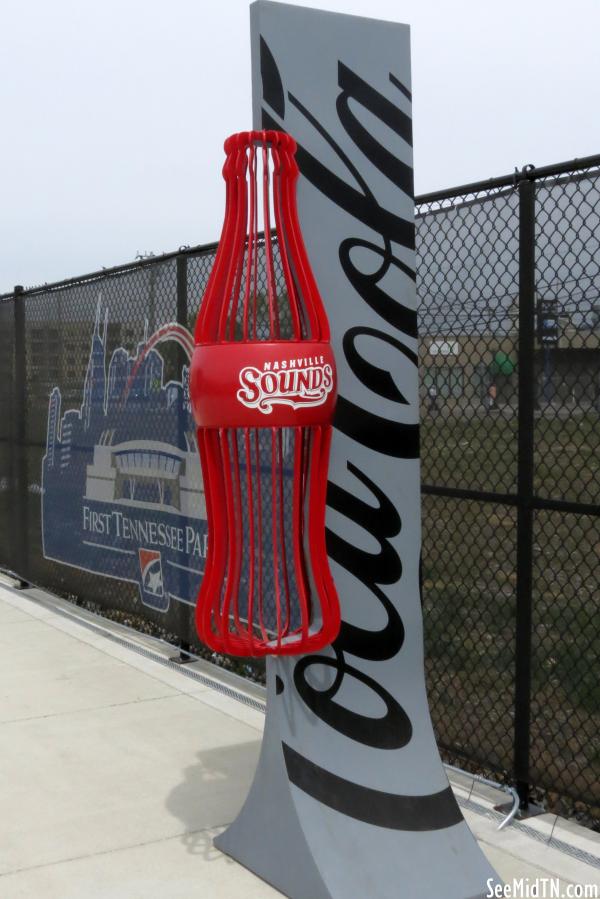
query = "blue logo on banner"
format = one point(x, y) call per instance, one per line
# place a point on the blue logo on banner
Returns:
point(151, 568)
point(122, 492)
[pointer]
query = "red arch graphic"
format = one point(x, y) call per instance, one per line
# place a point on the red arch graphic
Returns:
point(171, 331)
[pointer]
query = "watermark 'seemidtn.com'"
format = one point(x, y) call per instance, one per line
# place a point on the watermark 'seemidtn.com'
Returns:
point(541, 888)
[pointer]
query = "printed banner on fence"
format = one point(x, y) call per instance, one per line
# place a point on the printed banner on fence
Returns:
point(122, 492)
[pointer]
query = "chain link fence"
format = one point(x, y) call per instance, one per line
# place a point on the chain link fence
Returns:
point(100, 498)
point(508, 276)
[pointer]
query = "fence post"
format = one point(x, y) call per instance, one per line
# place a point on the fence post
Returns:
point(182, 319)
point(21, 494)
point(526, 422)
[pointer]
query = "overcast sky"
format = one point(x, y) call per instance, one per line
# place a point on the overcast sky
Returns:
point(114, 112)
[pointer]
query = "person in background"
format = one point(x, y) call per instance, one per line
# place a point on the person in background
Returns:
point(433, 395)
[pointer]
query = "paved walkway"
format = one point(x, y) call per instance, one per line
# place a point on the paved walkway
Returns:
point(116, 771)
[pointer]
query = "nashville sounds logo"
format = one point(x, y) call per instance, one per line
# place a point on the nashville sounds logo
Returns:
point(293, 382)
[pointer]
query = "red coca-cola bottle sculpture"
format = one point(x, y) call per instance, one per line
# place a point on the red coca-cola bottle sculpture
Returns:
point(263, 387)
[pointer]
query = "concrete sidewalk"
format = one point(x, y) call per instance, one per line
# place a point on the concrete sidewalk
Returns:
point(117, 770)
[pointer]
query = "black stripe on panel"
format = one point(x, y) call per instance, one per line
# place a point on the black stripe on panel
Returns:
point(434, 811)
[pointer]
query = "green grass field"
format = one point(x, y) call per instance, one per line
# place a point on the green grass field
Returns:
point(469, 559)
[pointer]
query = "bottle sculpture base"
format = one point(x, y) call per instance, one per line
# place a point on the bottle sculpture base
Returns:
point(309, 850)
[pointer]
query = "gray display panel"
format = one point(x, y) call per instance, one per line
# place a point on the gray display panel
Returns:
point(350, 798)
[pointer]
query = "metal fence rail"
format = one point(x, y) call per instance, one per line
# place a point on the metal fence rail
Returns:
point(508, 274)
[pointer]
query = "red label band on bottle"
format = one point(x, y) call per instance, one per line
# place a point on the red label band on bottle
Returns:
point(266, 384)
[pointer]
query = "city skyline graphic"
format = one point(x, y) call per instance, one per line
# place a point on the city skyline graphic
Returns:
point(122, 492)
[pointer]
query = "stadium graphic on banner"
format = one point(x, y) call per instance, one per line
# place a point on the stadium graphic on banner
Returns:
point(122, 492)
